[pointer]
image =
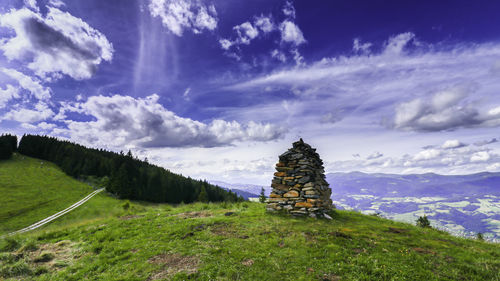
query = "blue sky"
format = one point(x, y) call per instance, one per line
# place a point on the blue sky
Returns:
point(218, 89)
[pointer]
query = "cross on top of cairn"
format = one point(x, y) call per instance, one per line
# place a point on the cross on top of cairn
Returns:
point(299, 185)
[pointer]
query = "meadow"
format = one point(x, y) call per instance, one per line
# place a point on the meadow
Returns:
point(111, 239)
point(33, 189)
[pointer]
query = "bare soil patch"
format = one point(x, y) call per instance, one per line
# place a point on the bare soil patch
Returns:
point(173, 263)
point(248, 262)
point(190, 215)
point(53, 256)
point(223, 230)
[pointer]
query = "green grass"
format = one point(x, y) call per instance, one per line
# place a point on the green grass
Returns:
point(200, 242)
point(105, 240)
point(31, 191)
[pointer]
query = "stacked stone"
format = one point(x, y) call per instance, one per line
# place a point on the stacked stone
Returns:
point(299, 185)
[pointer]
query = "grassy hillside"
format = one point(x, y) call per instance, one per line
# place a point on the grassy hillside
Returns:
point(32, 189)
point(207, 242)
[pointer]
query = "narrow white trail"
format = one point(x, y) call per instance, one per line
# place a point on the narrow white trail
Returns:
point(55, 216)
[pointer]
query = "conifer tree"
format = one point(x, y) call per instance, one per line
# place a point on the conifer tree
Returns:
point(423, 222)
point(262, 197)
point(203, 196)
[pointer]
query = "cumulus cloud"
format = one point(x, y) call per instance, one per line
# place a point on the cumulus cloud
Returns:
point(289, 10)
point(264, 23)
point(31, 4)
point(40, 112)
point(447, 110)
point(438, 159)
point(246, 32)
point(10, 92)
point(40, 127)
point(180, 15)
point(56, 3)
point(123, 120)
point(291, 33)
point(374, 155)
point(31, 84)
point(225, 43)
point(480, 156)
point(419, 88)
point(450, 144)
point(427, 154)
point(55, 44)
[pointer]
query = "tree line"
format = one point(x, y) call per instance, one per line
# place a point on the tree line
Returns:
point(123, 174)
point(8, 144)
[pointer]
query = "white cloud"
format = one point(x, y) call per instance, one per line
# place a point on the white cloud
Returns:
point(288, 30)
point(289, 10)
point(493, 167)
point(40, 112)
point(297, 57)
point(32, 5)
point(422, 89)
point(31, 84)
point(246, 32)
point(279, 55)
point(438, 160)
point(291, 33)
point(480, 156)
point(359, 47)
point(46, 126)
point(40, 127)
point(205, 19)
point(447, 110)
point(56, 3)
point(56, 44)
point(10, 92)
point(185, 95)
point(450, 144)
point(494, 111)
point(427, 154)
point(374, 155)
point(396, 44)
point(264, 23)
point(143, 122)
point(225, 43)
point(179, 15)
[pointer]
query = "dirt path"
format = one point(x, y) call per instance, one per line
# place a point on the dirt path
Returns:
point(55, 216)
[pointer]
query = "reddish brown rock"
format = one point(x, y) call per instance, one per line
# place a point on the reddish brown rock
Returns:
point(279, 174)
point(303, 205)
point(291, 193)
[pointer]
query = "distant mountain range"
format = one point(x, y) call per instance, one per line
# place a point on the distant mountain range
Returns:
point(462, 204)
point(244, 190)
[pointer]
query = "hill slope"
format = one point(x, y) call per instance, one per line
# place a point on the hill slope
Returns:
point(34, 189)
point(205, 242)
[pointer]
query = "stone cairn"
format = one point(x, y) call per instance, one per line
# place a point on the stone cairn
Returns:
point(299, 185)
